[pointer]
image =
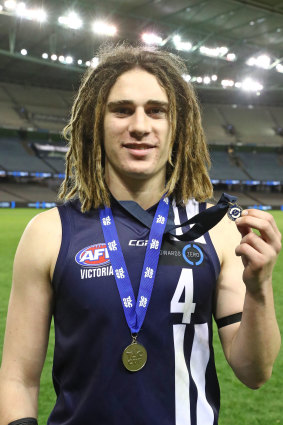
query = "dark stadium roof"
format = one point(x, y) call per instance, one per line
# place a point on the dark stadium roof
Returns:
point(247, 27)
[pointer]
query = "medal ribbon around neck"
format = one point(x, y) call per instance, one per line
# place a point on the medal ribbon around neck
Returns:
point(202, 222)
point(135, 311)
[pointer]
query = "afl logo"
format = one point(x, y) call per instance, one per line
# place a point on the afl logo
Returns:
point(193, 254)
point(93, 256)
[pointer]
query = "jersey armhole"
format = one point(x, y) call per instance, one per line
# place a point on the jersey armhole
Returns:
point(65, 243)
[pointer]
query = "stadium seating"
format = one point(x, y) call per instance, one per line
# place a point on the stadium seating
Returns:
point(248, 198)
point(33, 108)
point(15, 156)
point(26, 192)
point(262, 166)
point(223, 167)
point(252, 125)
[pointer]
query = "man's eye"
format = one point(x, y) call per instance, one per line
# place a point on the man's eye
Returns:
point(123, 111)
point(156, 111)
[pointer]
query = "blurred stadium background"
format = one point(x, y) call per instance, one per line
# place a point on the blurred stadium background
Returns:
point(234, 55)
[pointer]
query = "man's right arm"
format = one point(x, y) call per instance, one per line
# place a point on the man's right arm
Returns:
point(29, 317)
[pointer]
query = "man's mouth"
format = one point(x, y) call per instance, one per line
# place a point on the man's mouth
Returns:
point(138, 146)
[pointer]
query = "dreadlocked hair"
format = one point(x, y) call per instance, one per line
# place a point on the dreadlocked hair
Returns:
point(188, 162)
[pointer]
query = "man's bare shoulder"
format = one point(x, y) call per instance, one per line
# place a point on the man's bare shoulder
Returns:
point(44, 225)
point(41, 239)
point(44, 220)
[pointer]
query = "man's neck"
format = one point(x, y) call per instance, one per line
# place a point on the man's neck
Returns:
point(144, 193)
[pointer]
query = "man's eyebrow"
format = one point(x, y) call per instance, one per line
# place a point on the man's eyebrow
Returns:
point(157, 102)
point(122, 102)
point(119, 103)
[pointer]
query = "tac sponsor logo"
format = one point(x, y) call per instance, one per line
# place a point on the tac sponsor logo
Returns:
point(193, 254)
point(93, 256)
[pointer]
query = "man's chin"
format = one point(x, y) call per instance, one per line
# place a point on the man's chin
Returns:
point(139, 175)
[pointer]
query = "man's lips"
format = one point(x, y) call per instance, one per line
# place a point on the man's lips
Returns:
point(138, 146)
point(138, 150)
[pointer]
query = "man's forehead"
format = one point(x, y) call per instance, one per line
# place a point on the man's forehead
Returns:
point(137, 86)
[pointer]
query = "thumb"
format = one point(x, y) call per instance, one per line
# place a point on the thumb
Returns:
point(244, 229)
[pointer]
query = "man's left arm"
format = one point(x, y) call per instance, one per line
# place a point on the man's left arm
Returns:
point(250, 347)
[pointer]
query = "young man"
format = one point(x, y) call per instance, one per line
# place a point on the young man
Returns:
point(132, 303)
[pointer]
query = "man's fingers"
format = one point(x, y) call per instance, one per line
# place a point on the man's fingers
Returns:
point(244, 230)
point(256, 242)
point(248, 253)
point(263, 215)
point(265, 226)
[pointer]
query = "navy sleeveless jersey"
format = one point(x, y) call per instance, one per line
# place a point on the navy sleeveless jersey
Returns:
point(178, 385)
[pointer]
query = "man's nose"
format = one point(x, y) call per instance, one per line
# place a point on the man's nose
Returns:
point(139, 125)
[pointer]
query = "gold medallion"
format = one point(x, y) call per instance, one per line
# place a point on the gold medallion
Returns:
point(134, 357)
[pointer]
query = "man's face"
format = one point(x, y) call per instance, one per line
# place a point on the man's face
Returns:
point(136, 128)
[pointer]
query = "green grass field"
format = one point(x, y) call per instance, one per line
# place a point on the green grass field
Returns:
point(239, 405)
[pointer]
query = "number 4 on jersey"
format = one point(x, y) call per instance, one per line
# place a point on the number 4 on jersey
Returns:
point(187, 307)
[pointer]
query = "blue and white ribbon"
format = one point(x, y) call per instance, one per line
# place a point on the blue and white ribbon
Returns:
point(135, 310)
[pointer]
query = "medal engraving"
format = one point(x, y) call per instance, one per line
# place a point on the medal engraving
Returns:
point(234, 212)
point(134, 357)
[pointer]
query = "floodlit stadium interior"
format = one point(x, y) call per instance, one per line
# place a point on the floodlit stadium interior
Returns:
point(234, 55)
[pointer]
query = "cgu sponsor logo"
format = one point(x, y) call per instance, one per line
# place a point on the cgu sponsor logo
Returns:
point(93, 256)
point(141, 242)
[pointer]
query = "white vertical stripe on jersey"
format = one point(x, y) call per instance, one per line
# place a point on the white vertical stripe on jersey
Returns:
point(198, 364)
point(182, 379)
point(179, 230)
point(192, 209)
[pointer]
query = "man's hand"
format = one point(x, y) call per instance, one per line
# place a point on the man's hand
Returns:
point(258, 251)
